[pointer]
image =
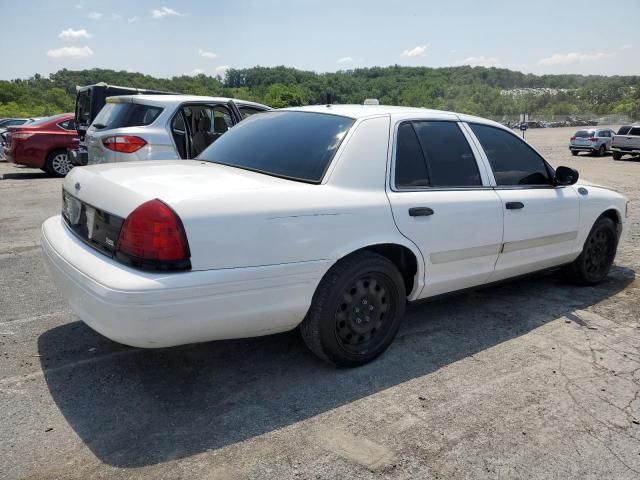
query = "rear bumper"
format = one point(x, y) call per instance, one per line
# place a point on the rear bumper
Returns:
point(631, 151)
point(584, 148)
point(152, 310)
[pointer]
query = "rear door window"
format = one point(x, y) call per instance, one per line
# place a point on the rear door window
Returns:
point(411, 167)
point(514, 163)
point(450, 161)
point(634, 131)
point(120, 115)
point(68, 124)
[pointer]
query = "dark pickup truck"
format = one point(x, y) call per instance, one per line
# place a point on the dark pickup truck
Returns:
point(89, 101)
point(626, 142)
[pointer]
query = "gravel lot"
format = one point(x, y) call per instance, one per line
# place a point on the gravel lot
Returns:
point(531, 379)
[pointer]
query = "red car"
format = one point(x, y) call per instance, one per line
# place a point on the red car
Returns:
point(43, 144)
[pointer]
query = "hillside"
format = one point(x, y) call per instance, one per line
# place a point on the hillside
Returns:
point(490, 92)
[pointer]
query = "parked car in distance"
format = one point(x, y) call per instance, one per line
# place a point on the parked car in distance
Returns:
point(166, 127)
point(593, 140)
point(43, 144)
point(329, 218)
point(626, 142)
point(11, 122)
point(89, 101)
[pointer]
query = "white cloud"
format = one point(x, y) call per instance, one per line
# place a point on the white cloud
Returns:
point(71, 34)
point(197, 71)
point(222, 70)
point(418, 51)
point(626, 46)
point(70, 52)
point(572, 58)
point(205, 54)
point(481, 61)
point(95, 15)
point(345, 60)
point(165, 12)
point(132, 19)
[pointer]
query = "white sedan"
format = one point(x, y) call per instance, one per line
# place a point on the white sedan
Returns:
point(328, 218)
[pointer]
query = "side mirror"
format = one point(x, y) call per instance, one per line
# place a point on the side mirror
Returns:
point(566, 176)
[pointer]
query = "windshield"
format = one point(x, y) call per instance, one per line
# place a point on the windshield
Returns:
point(584, 133)
point(294, 145)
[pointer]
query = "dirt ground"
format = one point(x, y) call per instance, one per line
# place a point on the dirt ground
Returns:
point(531, 379)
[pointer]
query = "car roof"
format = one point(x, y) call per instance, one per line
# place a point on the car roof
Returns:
point(174, 100)
point(364, 111)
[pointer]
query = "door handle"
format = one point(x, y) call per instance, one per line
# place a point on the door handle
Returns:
point(420, 211)
point(514, 205)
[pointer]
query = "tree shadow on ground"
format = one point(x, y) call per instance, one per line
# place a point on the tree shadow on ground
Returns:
point(136, 407)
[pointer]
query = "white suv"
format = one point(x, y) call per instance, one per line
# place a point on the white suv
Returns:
point(162, 127)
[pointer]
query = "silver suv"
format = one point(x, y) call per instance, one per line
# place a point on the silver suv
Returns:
point(594, 140)
point(162, 127)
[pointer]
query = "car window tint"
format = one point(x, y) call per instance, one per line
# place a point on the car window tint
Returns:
point(295, 145)
point(411, 169)
point(450, 161)
point(624, 130)
point(634, 131)
point(512, 160)
point(584, 133)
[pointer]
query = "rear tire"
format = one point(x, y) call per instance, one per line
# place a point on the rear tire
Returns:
point(58, 163)
point(601, 151)
point(574, 152)
point(356, 310)
point(598, 252)
point(617, 155)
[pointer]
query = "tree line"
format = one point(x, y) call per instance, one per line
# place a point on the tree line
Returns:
point(489, 92)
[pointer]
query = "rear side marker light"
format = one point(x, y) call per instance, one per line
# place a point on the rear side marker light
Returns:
point(123, 143)
point(152, 237)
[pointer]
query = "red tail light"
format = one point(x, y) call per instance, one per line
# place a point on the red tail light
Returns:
point(123, 143)
point(573, 138)
point(593, 139)
point(153, 238)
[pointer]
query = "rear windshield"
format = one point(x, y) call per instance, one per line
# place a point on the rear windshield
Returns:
point(294, 145)
point(624, 130)
point(584, 133)
point(118, 115)
point(44, 120)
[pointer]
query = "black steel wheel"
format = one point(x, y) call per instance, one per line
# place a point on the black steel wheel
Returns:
point(594, 263)
point(356, 310)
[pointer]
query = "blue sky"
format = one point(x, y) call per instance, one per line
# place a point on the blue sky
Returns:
point(166, 38)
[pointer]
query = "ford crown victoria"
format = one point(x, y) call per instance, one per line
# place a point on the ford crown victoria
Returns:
point(327, 218)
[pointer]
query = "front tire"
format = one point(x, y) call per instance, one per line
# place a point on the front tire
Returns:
point(594, 263)
point(356, 310)
point(58, 163)
point(574, 152)
point(617, 155)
